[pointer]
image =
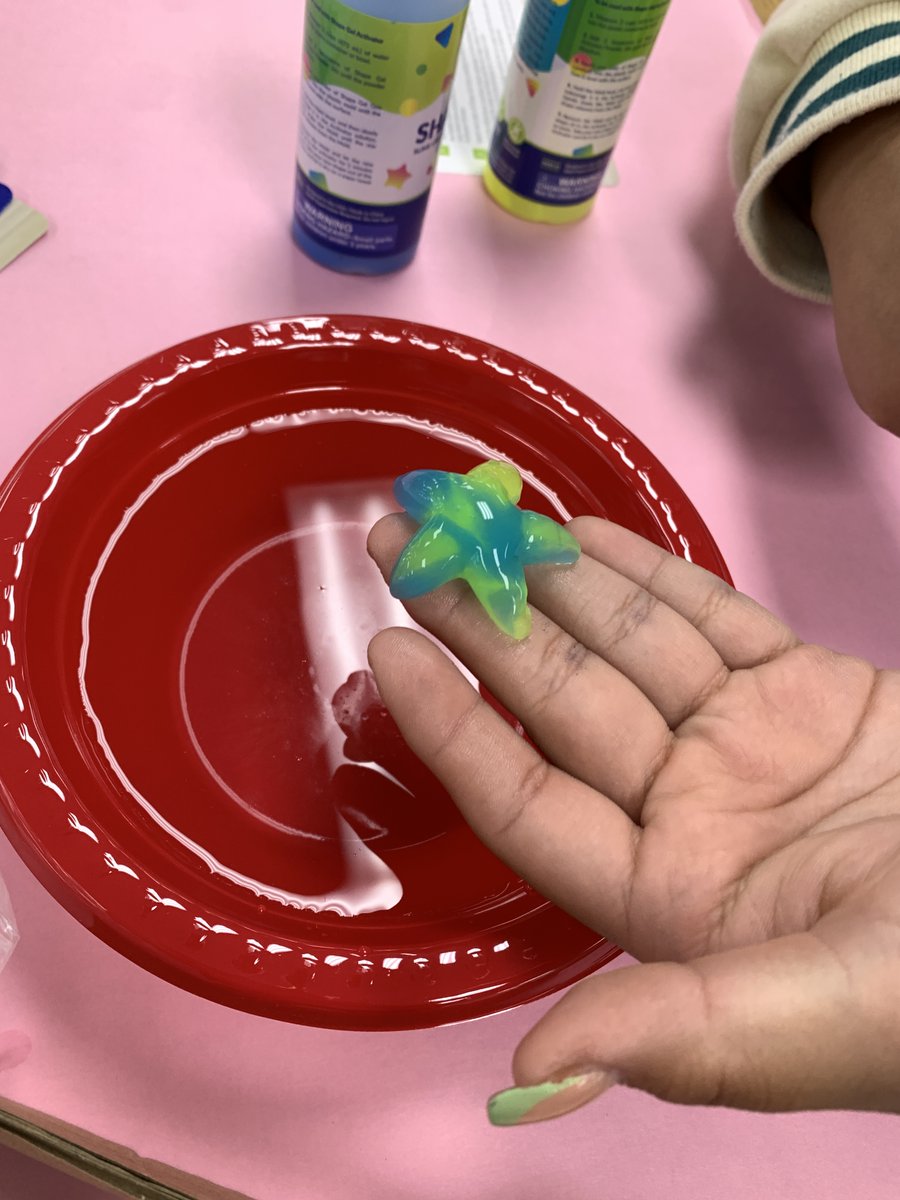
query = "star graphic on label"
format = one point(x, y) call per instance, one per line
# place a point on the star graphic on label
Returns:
point(397, 176)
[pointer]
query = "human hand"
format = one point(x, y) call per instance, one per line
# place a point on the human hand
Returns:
point(855, 183)
point(718, 798)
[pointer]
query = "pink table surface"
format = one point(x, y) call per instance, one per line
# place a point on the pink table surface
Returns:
point(158, 138)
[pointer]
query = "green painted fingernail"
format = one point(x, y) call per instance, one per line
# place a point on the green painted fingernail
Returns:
point(543, 1101)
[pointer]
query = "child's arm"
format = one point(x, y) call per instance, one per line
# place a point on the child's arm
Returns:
point(818, 65)
point(816, 154)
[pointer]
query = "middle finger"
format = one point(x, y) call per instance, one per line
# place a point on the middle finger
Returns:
point(583, 713)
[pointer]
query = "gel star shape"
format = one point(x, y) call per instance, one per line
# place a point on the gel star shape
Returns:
point(471, 529)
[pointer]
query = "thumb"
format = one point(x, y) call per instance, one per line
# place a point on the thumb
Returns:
point(789, 1024)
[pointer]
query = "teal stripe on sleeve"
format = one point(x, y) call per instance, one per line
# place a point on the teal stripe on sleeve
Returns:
point(826, 64)
point(860, 81)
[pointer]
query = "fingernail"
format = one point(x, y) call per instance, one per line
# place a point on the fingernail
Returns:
point(543, 1101)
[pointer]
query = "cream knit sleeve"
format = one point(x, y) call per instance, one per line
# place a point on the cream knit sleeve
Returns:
point(818, 64)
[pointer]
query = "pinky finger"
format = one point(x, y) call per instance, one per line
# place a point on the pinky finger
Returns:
point(743, 633)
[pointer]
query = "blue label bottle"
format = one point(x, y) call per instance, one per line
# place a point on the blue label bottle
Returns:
point(376, 85)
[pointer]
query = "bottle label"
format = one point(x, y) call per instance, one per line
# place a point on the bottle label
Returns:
point(372, 110)
point(571, 81)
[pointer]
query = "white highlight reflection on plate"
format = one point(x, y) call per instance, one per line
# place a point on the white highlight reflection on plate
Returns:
point(371, 885)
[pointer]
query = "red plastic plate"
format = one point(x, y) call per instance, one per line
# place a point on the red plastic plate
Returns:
point(193, 756)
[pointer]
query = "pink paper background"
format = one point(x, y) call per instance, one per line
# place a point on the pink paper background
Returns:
point(158, 138)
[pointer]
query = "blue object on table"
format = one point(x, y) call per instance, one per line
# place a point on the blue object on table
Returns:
point(5, 196)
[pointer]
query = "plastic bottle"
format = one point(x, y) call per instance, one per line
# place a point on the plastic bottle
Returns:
point(573, 74)
point(376, 84)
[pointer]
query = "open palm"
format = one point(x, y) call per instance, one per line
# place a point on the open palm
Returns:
point(718, 798)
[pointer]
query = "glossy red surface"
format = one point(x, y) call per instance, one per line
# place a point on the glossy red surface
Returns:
point(193, 756)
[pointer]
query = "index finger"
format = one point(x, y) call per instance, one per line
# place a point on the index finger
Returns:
point(570, 842)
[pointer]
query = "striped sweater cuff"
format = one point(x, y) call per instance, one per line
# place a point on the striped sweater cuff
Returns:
point(852, 69)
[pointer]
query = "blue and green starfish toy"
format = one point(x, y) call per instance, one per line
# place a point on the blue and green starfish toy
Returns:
point(471, 529)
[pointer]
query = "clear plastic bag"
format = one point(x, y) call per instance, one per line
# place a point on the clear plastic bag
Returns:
point(9, 933)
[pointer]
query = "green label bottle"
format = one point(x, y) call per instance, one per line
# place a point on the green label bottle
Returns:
point(574, 72)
